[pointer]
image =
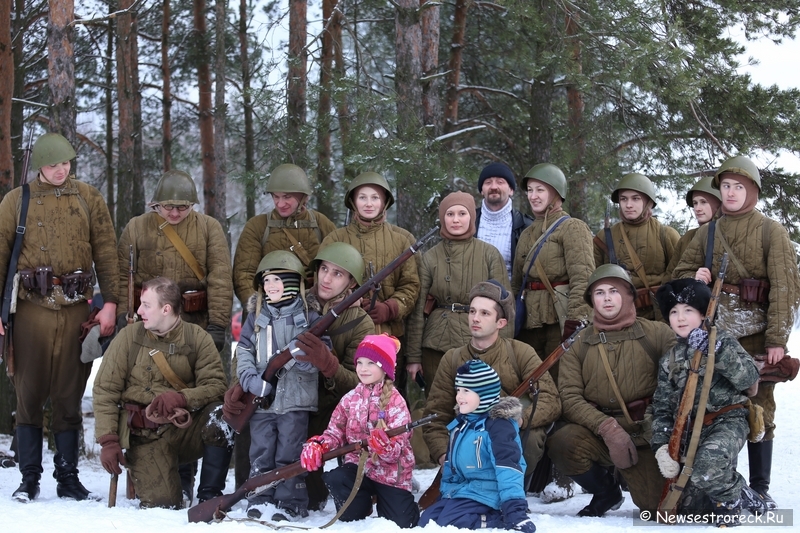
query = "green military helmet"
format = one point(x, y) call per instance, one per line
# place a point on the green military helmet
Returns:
point(606, 271)
point(175, 187)
point(550, 174)
point(740, 165)
point(368, 178)
point(635, 182)
point(288, 178)
point(343, 255)
point(51, 149)
point(278, 260)
point(704, 185)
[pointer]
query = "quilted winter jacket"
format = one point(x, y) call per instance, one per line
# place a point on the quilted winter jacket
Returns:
point(566, 256)
point(356, 415)
point(380, 244)
point(683, 243)
point(484, 459)
point(744, 234)
point(154, 255)
point(449, 271)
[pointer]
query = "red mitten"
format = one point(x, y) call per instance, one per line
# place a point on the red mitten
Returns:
point(311, 456)
point(165, 403)
point(378, 441)
point(111, 455)
point(233, 405)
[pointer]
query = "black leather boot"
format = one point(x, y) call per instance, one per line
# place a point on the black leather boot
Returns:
point(605, 491)
point(760, 457)
point(29, 456)
point(66, 464)
point(213, 472)
point(187, 472)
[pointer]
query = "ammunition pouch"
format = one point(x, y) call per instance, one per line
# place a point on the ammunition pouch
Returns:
point(644, 298)
point(636, 409)
point(75, 283)
point(754, 291)
point(194, 301)
point(137, 419)
point(42, 279)
point(430, 305)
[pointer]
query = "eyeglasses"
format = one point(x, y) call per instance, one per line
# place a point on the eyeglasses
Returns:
point(172, 207)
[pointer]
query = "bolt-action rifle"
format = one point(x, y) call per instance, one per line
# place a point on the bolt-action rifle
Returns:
point(131, 315)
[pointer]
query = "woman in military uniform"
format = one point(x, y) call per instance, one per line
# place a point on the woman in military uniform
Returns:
point(704, 200)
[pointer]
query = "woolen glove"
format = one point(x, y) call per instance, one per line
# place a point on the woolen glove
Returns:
point(218, 335)
point(569, 328)
point(317, 353)
point(378, 441)
point(620, 446)
point(698, 340)
point(311, 456)
point(165, 403)
point(233, 405)
point(515, 515)
point(111, 455)
point(670, 468)
point(383, 311)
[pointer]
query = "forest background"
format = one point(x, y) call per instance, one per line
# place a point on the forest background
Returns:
point(425, 92)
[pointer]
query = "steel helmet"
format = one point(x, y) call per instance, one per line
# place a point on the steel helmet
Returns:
point(635, 182)
point(609, 270)
point(288, 178)
point(51, 149)
point(704, 185)
point(343, 255)
point(367, 178)
point(740, 165)
point(550, 174)
point(175, 187)
point(278, 260)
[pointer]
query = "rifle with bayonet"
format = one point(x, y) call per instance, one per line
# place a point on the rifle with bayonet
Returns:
point(320, 326)
point(531, 384)
point(215, 508)
point(670, 495)
point(9, 292)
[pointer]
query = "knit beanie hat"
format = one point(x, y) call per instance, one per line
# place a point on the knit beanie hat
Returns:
point(689, 291)
point(457, 198)
point(382, 349)
point(481, 379)
point(493, 290)
point(291, 285)
point(497, 170)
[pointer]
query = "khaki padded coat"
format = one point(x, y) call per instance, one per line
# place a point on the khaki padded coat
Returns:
point(683, 243)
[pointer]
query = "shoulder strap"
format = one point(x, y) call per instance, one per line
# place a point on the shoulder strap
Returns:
point(765, 236)
point(638, 267)
point(712, 226)
point(8, 289)
point(612, 253)
point(537, 247)
point(179, 245)
point(166, 370)
point(739, 266)
point(614, 386)
point(512, 355)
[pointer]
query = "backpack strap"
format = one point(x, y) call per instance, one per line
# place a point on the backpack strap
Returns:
point(281, 223)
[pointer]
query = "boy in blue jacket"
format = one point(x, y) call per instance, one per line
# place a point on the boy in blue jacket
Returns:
point(483, 472)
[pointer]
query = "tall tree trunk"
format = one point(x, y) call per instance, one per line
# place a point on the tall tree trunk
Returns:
point(540, 136)
point(166, 90)
point(339, 73)
point(61, 69)
point(18, 28)
point(220, 115)
point(577, 184)
point(6, 95)
point(109, 111)
point(454, 66)
point(324, 165)
point(205, 107)
point(247, 99)
point(431, 102)
point(296, 91)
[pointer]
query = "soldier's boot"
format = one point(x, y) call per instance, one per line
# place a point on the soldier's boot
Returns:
point(29, 456)
point(66, 468)
point(727, 514)
point(213, 472)
point(760, 457)
point(187, 472)
point(605, 491)
point(753, 502)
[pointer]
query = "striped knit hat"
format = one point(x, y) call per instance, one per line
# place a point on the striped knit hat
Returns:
point(382, 349)
point(291, 285)
point(481, 379)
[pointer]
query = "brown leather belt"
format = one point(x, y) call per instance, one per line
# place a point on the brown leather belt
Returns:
point(539, 286)
point(455, 308)
point(137, 419)
point(709, 417)
point(730, 289)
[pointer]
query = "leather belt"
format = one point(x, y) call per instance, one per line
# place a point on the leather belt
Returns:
point(730, 289)
point(455, 308)
point(539, 286)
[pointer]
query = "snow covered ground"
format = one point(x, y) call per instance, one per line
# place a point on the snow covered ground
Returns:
point(51, 514)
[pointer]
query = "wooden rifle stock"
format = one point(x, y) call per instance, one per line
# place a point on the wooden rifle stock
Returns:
point(432, 493)
point(215, 508)
point(676, 438)
point(321, 325)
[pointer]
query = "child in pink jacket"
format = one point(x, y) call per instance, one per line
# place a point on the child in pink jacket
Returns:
point(367, 412)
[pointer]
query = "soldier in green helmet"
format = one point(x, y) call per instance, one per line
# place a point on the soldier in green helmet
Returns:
point(291, 226)
point(704, 200)
point(595, 433)
point(638, 242)
point(761, 293)
point(69, 236)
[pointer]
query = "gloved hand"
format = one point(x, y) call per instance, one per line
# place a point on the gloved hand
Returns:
point(111, 455)
point(218, 335)
point(698, 340)
point(311, 456)
point(670, 468)
point(233, 405)
point(620, 446)
point(317, 353)
point(378, 441)
point(255, 384)
point(294, 349)
point(165, 403)
point(569, 328)
point(383, 311)
point(515, 515)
